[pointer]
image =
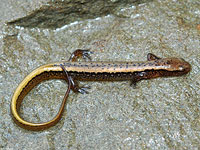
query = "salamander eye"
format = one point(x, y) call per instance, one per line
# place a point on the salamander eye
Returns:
point(181, 68)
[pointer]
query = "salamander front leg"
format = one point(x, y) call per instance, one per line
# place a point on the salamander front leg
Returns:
point(151, 56)
point(79, 53)
point(134, 82)
point(138, 77)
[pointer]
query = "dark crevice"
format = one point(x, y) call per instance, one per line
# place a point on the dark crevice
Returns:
point(59, 13)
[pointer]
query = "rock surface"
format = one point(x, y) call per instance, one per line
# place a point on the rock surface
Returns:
point(161, 113)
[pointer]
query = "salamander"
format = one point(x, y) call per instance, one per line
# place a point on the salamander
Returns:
point(73, 71)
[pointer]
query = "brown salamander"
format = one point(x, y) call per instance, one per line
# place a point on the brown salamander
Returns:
point(92, 71)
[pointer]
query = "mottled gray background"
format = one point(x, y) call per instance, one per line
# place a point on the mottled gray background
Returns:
point(161, 113)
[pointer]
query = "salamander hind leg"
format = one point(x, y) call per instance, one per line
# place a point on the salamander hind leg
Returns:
point(74, 84)
point(77, 89)
point(79, 53)
point(151, 56)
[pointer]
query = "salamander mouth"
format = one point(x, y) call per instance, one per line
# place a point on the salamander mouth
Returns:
point(186, 67)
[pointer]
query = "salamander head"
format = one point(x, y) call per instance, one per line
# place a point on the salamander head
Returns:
point(178, 65)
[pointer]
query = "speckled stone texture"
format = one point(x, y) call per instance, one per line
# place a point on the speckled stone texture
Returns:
point(161, 113)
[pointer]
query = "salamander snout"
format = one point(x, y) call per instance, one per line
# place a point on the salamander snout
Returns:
point(183, 66)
